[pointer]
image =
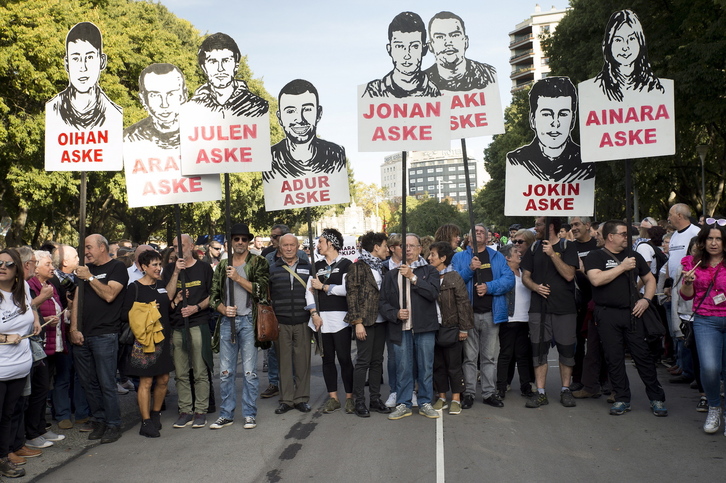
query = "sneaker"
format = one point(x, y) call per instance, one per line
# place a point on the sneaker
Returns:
point(702, 406)
point(584, 394)
point(659, 408)
point(120, 389)
point(51, 436)
point(468, 401)
point(566, 399)
point(619, 408)
point(455, 407)
point(414, 400)
point(112, 434)
point(401, 411)
point(148, 429)
point(10, 469)
point(349, 406)
point(331, 405)
point(200, 420)
point(391, 401)
point(38, 443)
point(65, 424)
point(221, 423)
point(428, 411)
point(128, 385)
point(85, 426)
point(99, 428)
point(271, 391)
point(250, 423)
point(441, 404)
point(713, 420)
point(537, 400)
point(185, 419)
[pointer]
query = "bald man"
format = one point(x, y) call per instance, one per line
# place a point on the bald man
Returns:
point(191, 337)
point(135, 272)
point(103, 281)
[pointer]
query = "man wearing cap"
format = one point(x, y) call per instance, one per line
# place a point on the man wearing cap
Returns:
point(248, 274)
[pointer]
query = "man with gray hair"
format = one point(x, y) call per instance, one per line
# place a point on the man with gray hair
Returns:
point(488, 279)
point(103, 282)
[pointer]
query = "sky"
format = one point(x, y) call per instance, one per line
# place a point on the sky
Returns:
point(338, 45)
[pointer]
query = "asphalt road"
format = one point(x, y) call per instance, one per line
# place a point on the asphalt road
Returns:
point(552, 443)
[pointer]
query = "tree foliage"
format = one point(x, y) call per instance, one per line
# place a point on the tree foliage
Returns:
point(136, 33)
point(423, 217)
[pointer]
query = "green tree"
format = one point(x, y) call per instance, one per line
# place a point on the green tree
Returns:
point(424, 217)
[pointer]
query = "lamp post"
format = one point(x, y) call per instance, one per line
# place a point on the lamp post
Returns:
point(439, 185)
point(702, 150)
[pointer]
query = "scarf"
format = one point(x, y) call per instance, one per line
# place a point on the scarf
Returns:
point(448, 269)
point(374, 262)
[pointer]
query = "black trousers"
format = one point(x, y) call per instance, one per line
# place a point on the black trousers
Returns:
point(10, 392)
point(580, 348)
point(594, 368)
point(369, 363)
point(337, 344)
point(448, 369)
point(36, 402)
point(514, 347)
point(616, 329)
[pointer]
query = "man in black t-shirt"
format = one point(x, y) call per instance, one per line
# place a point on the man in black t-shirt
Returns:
point(618, 319)
point(103, 282)
point(549, 272)
point(191, 337)
point(586, 375)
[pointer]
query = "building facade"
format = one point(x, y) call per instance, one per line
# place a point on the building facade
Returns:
point(529, 63)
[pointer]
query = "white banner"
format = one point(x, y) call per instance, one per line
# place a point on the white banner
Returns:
point(476, 113)
point(310, 190)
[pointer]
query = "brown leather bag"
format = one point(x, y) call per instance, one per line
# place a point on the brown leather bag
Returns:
point(268, 328)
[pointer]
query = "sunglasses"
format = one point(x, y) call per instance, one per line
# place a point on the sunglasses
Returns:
point(517, 242)
point(243, 239)
point(713, 221)
point(8, 264)
point(275, 237)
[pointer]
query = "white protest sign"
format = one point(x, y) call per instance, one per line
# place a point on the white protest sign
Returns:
point(547, 176)
point(349, 250)
point(83, 128)
point(476, 113)
point(306, 170)
point(626, 111)
point(225, 128)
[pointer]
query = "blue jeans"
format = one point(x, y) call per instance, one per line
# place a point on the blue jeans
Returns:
point(421, 347)
point(273, 367)
point(95, 362)
point(710, 333)
point(391, 366)
point(228, 352)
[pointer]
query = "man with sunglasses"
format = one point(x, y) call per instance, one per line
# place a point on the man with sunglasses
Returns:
point(248, 274)
point(613, 271)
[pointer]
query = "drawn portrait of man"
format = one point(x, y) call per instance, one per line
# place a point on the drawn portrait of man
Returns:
point(407, 48)
point(453, 71)
point(219, 57)
point(162, 91)
point(302, 152)
point(552, 155)
point(83, 105)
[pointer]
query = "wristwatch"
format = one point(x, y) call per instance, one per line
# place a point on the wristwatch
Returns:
point(91, 278)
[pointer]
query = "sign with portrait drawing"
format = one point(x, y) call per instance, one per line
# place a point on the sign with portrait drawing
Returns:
point(152, 154)
point(547, 176)
point(225, 128)
point(626, 111)
point(470, 86)
point(306, 170)
point(403, 111)
point(83, 127)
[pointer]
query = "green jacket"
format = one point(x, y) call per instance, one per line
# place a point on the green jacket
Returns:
point(258, 273)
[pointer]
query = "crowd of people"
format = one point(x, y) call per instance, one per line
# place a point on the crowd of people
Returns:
point(449, 320)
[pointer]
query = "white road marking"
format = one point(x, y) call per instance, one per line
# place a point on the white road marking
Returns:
point(440, 470)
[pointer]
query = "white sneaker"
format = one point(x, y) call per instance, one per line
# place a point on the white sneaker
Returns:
point(120, 389)
point(250, 423)
point(128, 385)
point(414, 400)
point(391, 401)
point(51, 436)
point(38, 443)
point(713, 420)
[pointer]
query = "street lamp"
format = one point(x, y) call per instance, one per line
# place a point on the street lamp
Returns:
point(702, 150)
point(439, 187)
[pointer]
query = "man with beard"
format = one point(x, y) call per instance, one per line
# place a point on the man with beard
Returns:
point(302, 152)
point(162, 91)
point(452, 70)
point(219, 58)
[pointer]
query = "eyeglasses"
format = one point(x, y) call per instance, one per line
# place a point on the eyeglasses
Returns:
point(713, 221)
point(517, 242)
point(215, 248)
point(8, 264)
point(243, 239)
point(623, 234)
point(275, 237)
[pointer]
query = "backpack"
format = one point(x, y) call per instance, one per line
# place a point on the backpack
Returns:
point(660, 257)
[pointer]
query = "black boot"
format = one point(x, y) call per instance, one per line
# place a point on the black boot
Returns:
point(156, 419)
point(148, 429)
